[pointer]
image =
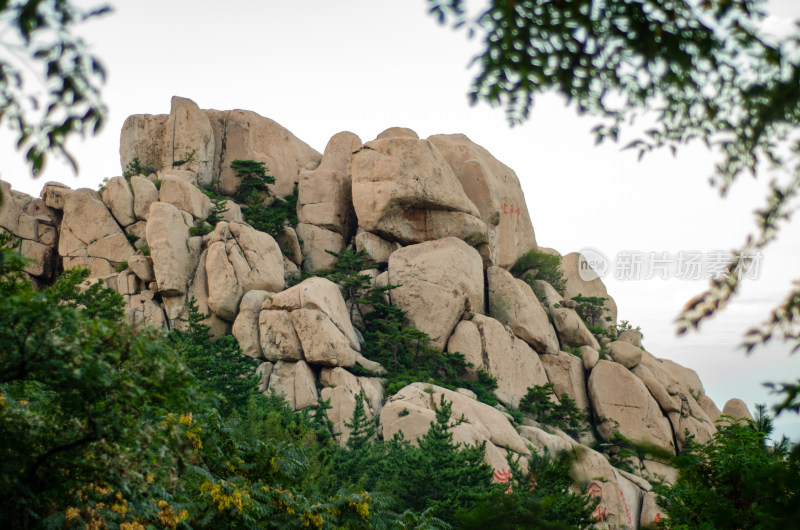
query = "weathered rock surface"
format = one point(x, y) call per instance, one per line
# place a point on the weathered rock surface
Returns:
point(168, 239)
point(737, 409)
point(295, 381)
point(184, 196)
point(438, 282)
point(278, 338)
point(512, 302)
point(404, 190)
point(510, 360)
point(192, 146)
point(566, 372)
point(342, 388)
point(240, 259)
point(100, 244)
point(144, 137)
point(377, 249)
point(244, 135)
point(245, 327)
point(324, 194)
point(624, 353)
point(118, 198)
point(631, 336)
point(323, 343)
point(571, 329)
point(142, 310)
point(494, 189)
point(590, 357)
point(466, 340)
point(322, 295)
point(315, 241)
point(623, 401)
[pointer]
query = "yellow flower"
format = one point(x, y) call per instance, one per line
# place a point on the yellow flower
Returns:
point(72, 514)
point(312, 519)
point(186, 419)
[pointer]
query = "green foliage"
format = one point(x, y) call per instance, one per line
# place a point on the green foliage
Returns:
point(348, 273)
point(544, 266)
point(201, 229)
point(121, 266)
point(253, 185)
point(539, 498)
point(132, 239)
point(106, 427)
point(220, 366)
point(95, 300)
point(157, 183)
point(620, 449)
point(590, 308)
point(135, 168)
point(563, 414)
point(218, 207)
point(734, 481)
point(253, 190)
point(437, 474)
point(145, 249)
point(80, 398)
point(63, 95)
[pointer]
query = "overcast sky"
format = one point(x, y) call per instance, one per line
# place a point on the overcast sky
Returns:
point(320, 67)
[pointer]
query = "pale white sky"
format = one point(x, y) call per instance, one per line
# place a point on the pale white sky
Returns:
point(320, 67)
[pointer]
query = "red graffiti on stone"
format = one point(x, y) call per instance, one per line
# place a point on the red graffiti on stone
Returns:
point(627, 508)
point(511, 210)
point(502, 476)
point(594, 491)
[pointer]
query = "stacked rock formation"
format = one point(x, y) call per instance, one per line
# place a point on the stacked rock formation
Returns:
point(440, 217)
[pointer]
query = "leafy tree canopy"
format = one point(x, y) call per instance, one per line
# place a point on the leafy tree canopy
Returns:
point(737, 480)
point(38, 36)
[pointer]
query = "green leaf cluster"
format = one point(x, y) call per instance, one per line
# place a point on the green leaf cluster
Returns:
point(737, 480)
point(219, 364)
point(556, 411)
point(81, 399)
point(63, 96)
point(135, 168)
point(253, 189)
point(538, 497)
point(535, 265)
point(451, 482)
point(590, 309)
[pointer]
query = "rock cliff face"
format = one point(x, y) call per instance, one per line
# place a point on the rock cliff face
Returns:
point(440, 217)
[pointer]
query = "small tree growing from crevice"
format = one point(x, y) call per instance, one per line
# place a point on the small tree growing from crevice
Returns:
point(253, 190)
point(562, 413)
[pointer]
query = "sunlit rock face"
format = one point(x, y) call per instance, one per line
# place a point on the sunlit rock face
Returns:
point(440, 219)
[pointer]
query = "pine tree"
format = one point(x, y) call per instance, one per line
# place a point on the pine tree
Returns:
point(219, 365)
